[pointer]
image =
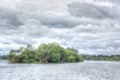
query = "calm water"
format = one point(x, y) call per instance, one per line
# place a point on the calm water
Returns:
point(88, 70)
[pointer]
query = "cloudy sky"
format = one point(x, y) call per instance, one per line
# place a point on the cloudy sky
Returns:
point(91, 26)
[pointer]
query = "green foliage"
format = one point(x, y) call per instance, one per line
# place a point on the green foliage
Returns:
point(45, 53)
point(102, 57)
point(13, 51)
point(54, 57)
point(13, 58)
point(71, 58)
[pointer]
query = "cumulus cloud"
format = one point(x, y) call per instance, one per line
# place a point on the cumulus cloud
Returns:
point(94, 11)
point(91, 26)
point(9, 18)
point(35, 28)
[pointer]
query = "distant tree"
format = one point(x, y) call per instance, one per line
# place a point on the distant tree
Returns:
point(102, 57)
point(4, 57)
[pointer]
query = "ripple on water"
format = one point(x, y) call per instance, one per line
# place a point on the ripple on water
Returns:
point(88, 70)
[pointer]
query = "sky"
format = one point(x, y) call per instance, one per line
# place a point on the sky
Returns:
point(90, 26)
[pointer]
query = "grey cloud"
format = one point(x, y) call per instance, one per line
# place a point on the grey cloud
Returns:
point(24, 41)
point(89, 28)
point(9, 18)
point(106, 44)
point(34, 28)
point(49, 20)
point(98, 47)
point(93, 11)
point(112, 1)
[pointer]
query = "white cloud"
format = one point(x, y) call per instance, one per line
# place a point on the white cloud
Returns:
point(91, 26)
point(35, 28)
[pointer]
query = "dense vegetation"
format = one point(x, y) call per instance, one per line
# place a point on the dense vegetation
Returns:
point(45, 53)
point(102, 57)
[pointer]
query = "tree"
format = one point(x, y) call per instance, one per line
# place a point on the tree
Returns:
point(55, 58)
point(45, 53)
point(71, 58)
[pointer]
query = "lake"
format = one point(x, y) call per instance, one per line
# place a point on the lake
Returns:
point(87, 70)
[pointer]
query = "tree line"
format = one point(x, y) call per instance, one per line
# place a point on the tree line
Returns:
point(102, 57)
point(3, 57)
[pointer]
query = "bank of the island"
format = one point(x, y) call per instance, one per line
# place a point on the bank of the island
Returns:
point(45, 53)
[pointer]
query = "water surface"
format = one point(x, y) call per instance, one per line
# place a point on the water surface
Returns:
point(87, 70)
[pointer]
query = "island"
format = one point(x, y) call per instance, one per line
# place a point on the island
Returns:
point(45, 53)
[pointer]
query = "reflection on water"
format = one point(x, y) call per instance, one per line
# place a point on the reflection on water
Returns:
point(88, 70)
